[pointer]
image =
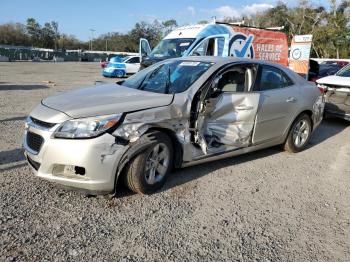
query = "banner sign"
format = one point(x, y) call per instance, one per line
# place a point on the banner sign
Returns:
point(259, 44)
point(300, 54)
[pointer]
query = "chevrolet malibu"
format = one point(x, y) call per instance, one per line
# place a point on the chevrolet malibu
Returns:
point(176, 113)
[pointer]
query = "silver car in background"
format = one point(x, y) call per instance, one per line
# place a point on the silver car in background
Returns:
point(176, 113)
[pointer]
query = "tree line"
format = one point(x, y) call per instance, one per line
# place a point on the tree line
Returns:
point(36, 35)
point(330, 28)
point(49, 36)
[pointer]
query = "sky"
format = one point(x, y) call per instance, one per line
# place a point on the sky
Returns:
point(77, 17)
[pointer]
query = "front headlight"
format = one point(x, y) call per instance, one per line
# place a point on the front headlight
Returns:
point(86, 127)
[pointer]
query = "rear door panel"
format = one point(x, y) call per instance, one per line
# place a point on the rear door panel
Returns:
point(132, 68)
point(275, 114)
point(279, 102)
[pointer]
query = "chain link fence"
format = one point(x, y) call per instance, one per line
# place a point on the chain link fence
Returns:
point(22, 53)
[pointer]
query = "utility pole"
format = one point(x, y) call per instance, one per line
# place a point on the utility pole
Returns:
point(92, 37)
point(106, 45)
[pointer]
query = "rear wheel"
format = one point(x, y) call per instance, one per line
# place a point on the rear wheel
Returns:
point(148, 171)
point(120, 73)
point(299, 134)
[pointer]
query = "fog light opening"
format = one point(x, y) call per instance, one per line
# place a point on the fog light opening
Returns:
point(69, 171)
point(79, 170)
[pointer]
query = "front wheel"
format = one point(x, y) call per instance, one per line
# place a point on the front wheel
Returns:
point(299, 134)
point(148, 171)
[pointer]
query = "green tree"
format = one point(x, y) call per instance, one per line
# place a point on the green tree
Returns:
point(14, 34)
point(152, 32)
point(34, 32)
point(65, 42)
point(338, 28)
point(54, 26)
point(47, 38)
point(169, 25)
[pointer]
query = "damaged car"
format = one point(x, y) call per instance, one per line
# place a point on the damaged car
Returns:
point(336, 90)
point(176, 113)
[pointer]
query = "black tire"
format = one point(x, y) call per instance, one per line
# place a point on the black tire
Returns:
point(137, 177)
point(290, 144)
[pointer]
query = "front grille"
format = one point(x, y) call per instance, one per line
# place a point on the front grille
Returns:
point(34, 164)
point(42, 123)
point(34, 141)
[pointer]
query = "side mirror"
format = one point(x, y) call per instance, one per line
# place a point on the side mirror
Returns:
point(215, 84)
point(143, 56)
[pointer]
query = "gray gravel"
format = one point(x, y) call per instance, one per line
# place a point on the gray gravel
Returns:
point(269, 205)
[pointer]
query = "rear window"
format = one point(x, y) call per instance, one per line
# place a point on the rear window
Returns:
point(273, 78)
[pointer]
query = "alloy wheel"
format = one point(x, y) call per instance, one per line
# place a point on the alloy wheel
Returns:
point(157, 163)
point(301, 133)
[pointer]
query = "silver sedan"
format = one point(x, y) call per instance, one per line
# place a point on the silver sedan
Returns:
point(176, 113)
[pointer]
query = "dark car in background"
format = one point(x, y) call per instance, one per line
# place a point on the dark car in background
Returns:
point(326, 68)
point(337, 62)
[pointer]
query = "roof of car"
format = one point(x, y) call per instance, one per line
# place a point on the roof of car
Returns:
point(221, 61)
point(189, 31)
point(224, 60)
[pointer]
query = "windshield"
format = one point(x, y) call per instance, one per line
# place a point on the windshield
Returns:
point(345, 71)
point(123, 59)
point(169, 77)
point(171, 47)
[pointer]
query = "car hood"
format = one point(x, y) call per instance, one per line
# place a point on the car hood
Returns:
point(105, 100)
point(334, 80)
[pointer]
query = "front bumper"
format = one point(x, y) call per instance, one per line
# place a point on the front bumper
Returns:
point(114, 73)
point(57, 158)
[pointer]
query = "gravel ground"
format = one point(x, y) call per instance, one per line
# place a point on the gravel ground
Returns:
point(268, 205)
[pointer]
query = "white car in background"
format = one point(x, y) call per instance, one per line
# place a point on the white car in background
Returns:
point(337, 93)
point(121, 68)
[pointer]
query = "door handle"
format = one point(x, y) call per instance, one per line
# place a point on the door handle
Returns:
point(243, 107)
point(291, 99)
